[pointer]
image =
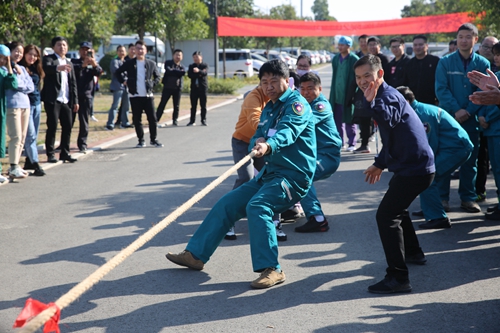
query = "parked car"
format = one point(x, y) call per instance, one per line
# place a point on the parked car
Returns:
point(290, 60)
point(311, 55)
point(238, 62)
point(294, 51)
point(272, 55)
point(257, 61)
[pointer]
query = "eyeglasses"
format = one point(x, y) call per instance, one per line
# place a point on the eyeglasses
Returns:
point(303, 66)
point(486, 47)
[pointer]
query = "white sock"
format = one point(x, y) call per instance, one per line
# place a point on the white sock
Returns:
point(319, 218)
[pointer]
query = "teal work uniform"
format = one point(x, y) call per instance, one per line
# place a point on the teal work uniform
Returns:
point(288, 127)
point(492, 117)
point(328, 145)
point(7, 81)
point(452, 148)
point(452, 90)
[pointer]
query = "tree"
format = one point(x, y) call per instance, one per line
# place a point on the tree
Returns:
point(185, 19)
point(142, 16)
point(320, 11)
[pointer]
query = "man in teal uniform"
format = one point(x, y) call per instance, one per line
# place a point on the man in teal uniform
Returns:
point(452, 90)
point(286, 139)
point(328, 146)
point(452, 148)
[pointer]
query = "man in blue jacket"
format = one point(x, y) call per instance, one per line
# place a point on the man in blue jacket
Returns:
point(452, 148)
point(328, 146)
point(407, 154)
point(453, 90)
point(285, 138)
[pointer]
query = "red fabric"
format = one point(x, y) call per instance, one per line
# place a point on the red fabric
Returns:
point(233, 26)
point(32, 308)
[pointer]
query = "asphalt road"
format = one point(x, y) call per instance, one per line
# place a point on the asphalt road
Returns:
point(56, 230)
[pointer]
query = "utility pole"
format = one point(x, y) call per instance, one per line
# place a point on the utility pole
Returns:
point(216, 41)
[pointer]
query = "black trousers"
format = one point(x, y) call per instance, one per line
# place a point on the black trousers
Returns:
point(200, 94)
point(483, 164)
point(84, 112)
point(58, 112)
point(140, 105)
point(165, 96)
point(394, 223)
point(366, 129)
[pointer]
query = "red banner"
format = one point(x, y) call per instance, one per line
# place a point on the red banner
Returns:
point(233, 26)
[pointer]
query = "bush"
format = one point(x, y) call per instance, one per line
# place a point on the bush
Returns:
point(105, 62)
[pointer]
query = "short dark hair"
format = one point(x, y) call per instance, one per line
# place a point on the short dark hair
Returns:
point(453, 42)
point(374, 62)
point(275, 67)
point(304, 56)
point(421, 37)
point(362, 37)
point(407, 93)
point(296, 79)
point(177, 50)
point(140, 42)
point(397, 40)
point(374, 39)
point(197, 53)
point(131, 45)
point(118, 47)
point(13, 45)
point(58, 39)
point(495, 49)
point(469, 27)
point(311, 77)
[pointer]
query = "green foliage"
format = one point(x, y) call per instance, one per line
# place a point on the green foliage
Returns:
point(142, 16)
point(218, 86)
point(105, 63)
point(183, 20)
point(320, 11)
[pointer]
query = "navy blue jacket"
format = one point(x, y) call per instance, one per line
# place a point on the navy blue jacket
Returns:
point(405, 149)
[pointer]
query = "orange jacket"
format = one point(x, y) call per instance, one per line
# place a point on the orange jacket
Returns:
point(249, 116)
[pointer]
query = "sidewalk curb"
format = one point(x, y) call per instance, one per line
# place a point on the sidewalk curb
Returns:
point(115, 141)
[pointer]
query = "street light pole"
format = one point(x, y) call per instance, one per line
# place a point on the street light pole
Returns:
point(216, 42)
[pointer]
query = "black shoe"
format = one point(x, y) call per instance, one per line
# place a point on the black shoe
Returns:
point(292, 214)
point(419, 213)
point(455, 175)
point(494, 215)
point(82, 150)
point(313, 226)
point(204, 123)
point(492, 209)
point(191, 124)
point(68, 159)
point(109, 128)
point(174, 123)
point(443, 223)
point(156, 144)
point(126, 126)
point(51, 159)
point(389, 285)
point(38, 170)
point(417, 259)
point(28, 165)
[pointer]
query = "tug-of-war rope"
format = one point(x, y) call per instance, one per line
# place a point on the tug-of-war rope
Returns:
point(51, 311)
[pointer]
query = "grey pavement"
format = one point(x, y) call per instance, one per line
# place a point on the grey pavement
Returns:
point(58, 229)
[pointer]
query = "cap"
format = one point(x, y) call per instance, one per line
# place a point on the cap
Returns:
point(345, 40)
point(86, 44)
point(4, 50)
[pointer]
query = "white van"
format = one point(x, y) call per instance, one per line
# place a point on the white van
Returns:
point(238, 63)
point(117, 40)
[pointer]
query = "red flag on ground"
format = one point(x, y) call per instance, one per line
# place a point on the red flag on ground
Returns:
point(32, 308)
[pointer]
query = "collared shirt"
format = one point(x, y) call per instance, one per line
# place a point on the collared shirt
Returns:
point(466, 62)
point(64, 92)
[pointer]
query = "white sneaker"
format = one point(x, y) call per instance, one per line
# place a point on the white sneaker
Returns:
point(280, 234)
point(351, 148)
point(2, 179)
point(17, 172)
point(94, 119)
point(230, 235)
point(162, 125)
point(22, 170)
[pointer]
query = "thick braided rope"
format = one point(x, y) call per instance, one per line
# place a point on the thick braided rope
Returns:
point(95, 277)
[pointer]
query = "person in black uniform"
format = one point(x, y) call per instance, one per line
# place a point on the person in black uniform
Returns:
point(86, 67)
point(420, 75)
point(197, 72)
point(172, 86)
point(396, 68)
point(374, 47)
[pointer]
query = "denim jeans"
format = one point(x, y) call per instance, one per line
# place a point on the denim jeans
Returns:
point(30, 145)
point(119, 96)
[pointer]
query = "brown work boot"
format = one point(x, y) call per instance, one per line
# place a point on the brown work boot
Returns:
point(268, 278)
point(185, 258)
